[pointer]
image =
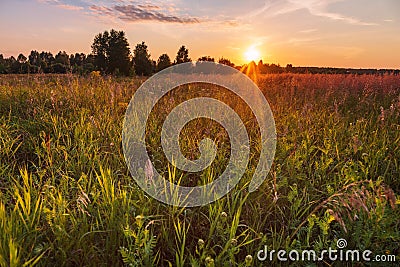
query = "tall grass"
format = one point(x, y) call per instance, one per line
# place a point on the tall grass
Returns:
point(66, 196)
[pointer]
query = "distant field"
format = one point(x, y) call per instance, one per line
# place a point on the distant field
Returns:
point(67, 198)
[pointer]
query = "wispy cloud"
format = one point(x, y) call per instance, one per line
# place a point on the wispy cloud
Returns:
point(320, 8)
point(69, 7)
point(149, 7)
point(314, 7)
point(61, 5)
point(134, 13)
point(48, 1)
point(101, 11)
point(308, 31)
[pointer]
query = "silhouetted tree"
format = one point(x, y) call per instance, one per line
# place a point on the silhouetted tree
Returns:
point(61, 63)
point(141, 60)
point(261, 67)
point(34, 62)
point(118, 53)
point(21, 58)
point(111, 52)
point(226, 61)
point(206, 58)
point(62, 58)
point(289, 67)
point(274, 68)
point(14, 65)
point(182, 56)
point(2, 64)
point(99, 50)
point(163, 62)
point(46, 61)
point(34, 58)
point(77, 60)
point(88, 65)
point(21, 65)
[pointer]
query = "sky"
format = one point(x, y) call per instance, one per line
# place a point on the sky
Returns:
point(326, 33)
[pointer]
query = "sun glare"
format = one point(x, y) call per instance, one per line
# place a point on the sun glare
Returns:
point(252, 54)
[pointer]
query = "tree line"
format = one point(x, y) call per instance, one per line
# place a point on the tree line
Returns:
point(265, 68)
point(110, 55)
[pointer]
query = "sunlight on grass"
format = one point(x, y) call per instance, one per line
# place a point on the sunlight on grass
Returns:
point(66, 196)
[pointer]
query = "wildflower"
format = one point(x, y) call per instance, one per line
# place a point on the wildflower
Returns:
point(200, 243)
point(53, 99)
point(209, 262)
point(336, 216)
point(82, 202)
point(336, 107)
point(139, 219)
point(223, 214)
point(390, 197)
point(248, 260)
point(356, 144)
point(274, 187)
point(95, 74)
point(382, 115)
point(234, 242)
point(392, 108)
point(148, 169)
point(112, 98)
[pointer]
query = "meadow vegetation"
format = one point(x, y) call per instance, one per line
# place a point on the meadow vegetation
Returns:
point(67, 198)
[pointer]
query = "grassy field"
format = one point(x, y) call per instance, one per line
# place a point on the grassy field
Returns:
point(67, 198)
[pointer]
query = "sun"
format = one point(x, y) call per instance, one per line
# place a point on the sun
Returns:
point(252, 54)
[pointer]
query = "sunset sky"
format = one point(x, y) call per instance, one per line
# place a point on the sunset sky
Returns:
point(352, 33)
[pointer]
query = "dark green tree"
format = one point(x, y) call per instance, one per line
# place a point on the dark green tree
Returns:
point(2, 64)
point(118, 53)
point(21, 65)
point(61, 63)
point(182, 56)
point(141, 60)
point(99, 50)
point(62, 58)
point(88, 65)
point(34, 62)
point(14, 65)
point(77, 61)
point(34, 58)
point(46, 61)
point(163, 62)
point(21, 58)
point(111, 52)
